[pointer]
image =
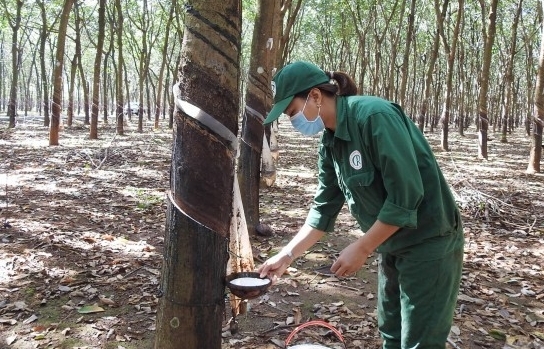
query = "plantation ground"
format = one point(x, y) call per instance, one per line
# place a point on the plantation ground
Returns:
point(81, 238)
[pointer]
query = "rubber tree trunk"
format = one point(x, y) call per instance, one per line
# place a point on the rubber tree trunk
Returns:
point(538, 113)
point(71, 89)
point(82, 75)
point(44, 34)
point(450, 51)
point(406, 54)
point(119, 73)
point(427, 95)
point(16, 58)
point(258, 101)
point(144, 59)
point(508, 110)
point(483, 102)
point(191, 309)
point(164, 60)
point(97, 70)
point(57, 74)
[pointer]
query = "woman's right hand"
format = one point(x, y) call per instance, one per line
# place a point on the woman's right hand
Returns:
point(275, 266)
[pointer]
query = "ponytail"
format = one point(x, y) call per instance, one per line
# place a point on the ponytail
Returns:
point(346, 85)
point(340, 84)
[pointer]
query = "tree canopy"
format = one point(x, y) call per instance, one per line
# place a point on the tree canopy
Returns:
point(363, 38)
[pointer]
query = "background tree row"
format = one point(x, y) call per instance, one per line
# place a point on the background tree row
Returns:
point(397, 49)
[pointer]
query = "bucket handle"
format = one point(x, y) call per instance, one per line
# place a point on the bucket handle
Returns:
point(315, 323)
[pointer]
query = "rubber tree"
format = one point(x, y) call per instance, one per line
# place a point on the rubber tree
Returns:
point(142, 29)
point(406, 54)
point(119, 97)
point(109, 65)
point(429, 72)
point(200, 205)
point(164, 62)
point(258, 100)
point(427, 89)
point(538, 112)
point(71, 90)
point(97, 69)
point(483, 117)
point(507, 113)
point(45, 31)
point(527, 36)
point(79, 25)
point(16, 57)
point(450, 52)
point(289, 12)
point(57, 73)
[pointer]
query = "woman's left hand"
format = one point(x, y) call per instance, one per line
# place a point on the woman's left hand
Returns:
point(350, 260)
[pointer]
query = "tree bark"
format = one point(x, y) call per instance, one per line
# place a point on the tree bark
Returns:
point(107, 85)
point(291, 10)
point(44, 34)
point(57, 74)
point(392, 70)
point(433, 56)
point(538, 112)
point(483, 117)
point(201, 178)
point(509, 76)
point(362, 28)
point(406, 55)
point(16, 54)
point(258, 100)
point(120, 66)
point(143, 62)
point(82, 76)
point(463, 88)
point(97, 69)
point(450, 53)
point(71, 89)
point(160, 82)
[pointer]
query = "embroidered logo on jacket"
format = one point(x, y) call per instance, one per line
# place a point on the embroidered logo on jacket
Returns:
point(356, 160)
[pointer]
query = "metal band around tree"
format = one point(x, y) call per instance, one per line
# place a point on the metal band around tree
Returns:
point(208, 121)
point(255, 113)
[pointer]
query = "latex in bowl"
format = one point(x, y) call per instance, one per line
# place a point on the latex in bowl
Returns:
point(247, 285)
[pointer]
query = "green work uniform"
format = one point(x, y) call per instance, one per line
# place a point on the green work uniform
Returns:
point(380, 163)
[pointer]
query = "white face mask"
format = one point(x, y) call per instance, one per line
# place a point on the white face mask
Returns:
point(308, 128)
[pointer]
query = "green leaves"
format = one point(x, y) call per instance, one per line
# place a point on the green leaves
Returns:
point(89, 309)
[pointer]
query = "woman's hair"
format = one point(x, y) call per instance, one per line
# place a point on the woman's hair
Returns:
point(341, 84)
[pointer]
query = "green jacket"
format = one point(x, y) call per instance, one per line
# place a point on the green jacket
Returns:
point(380, 163)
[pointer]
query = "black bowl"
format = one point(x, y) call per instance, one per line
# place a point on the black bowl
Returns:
point(246, 292)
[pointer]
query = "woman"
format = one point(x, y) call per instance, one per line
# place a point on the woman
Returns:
point(374, 158)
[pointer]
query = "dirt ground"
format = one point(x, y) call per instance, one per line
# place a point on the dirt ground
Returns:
point(81, 238)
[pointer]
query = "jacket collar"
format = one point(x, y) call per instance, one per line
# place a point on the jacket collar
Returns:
point(341, 123)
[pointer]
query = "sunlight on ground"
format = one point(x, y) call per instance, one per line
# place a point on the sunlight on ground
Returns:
point(11, 179)
point(104, 174)
point(303, 172)
point(5, 267)
point(29, 142)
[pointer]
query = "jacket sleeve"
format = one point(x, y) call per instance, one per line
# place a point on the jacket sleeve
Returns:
point(328, 199)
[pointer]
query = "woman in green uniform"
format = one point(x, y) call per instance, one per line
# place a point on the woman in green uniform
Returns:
point(374, 158)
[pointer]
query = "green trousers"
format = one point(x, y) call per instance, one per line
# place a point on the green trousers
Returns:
point(416, 299)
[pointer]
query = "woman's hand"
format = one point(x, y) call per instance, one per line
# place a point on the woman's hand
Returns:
point(353, 257)
point(275, 266)
point(350, 260)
